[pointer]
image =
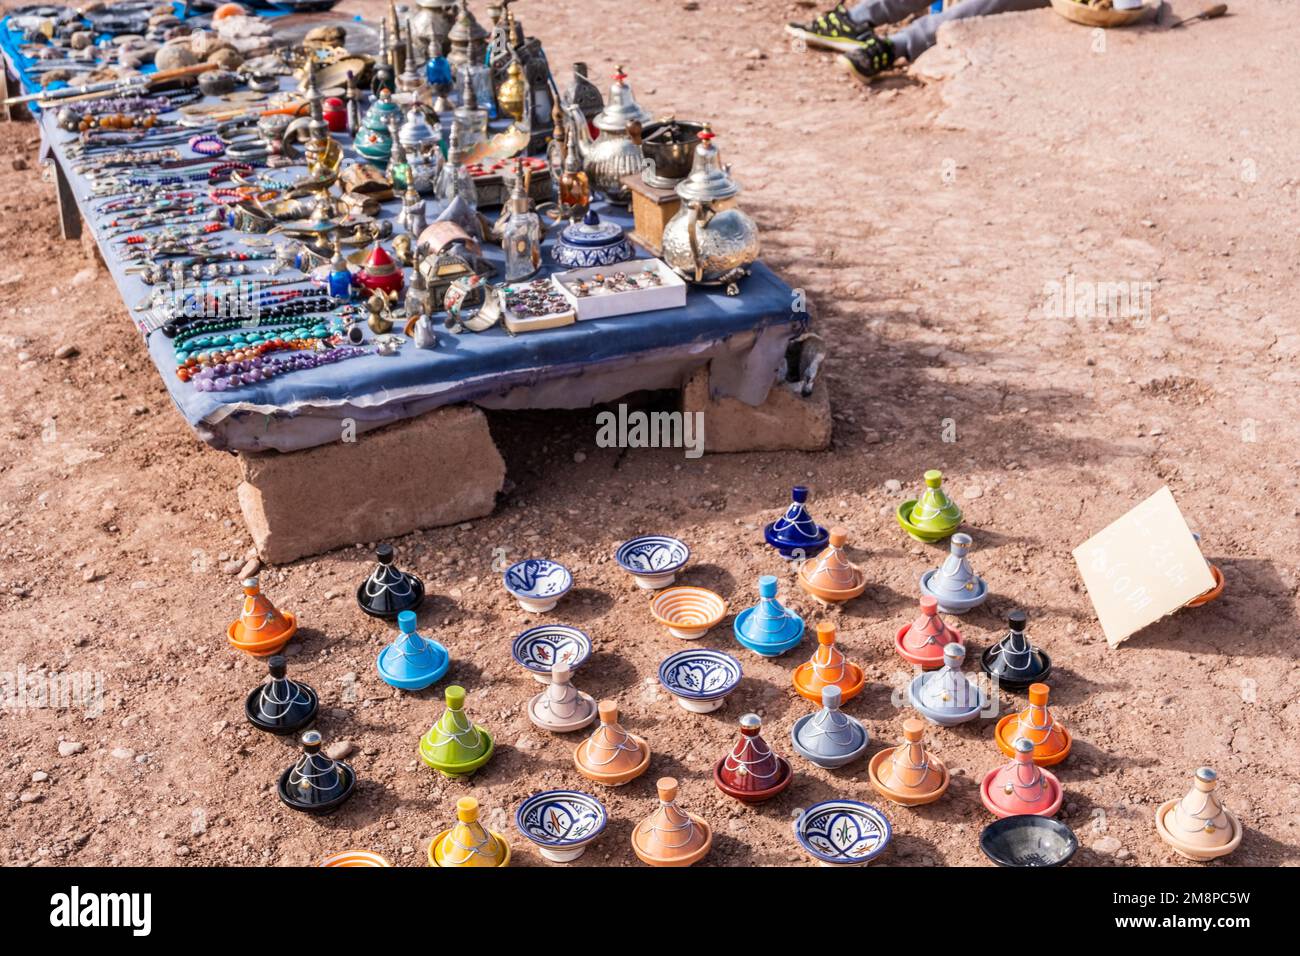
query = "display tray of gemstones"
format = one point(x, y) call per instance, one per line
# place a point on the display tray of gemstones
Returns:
point(640, 285)
point(531, 306)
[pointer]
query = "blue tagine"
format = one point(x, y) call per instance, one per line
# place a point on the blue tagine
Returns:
point(829, 738)
point(591, 243)
point(947, 697)
point(954, 584)
point(412, 662)
point(795, 534)
point(768, 628)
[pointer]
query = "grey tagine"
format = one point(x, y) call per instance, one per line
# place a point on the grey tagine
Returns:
point(954, 584)
point(561, 707)
point(947, 697)
point(1013, 661)
point(829, 738)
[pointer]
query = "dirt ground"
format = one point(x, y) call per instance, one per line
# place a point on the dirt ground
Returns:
point(926, 218)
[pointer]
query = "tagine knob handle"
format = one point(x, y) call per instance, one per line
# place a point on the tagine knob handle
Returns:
point(1024, 748)
point(467, 810)
point(953, 655)
point(250, 585)
point(750, 725)
point(838, 537)
point(454, 697)
point(1206, 779)
point(767, 586)
point(913, 730)
point(831, 696)
point(1017, 620)
point(311, 742)
point(799, 492)
point(276, 666)
point(960, 544)
point(1038, 694)
point(384, 553)
point(608, 711)
point(406, 622)
point(825, 633)
point(667, 787)
point(933, 478)
point(560, 673)
point(929, 605)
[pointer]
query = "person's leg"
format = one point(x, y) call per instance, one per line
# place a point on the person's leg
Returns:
point(918, 36)
point(877, 13)
point(847, 30)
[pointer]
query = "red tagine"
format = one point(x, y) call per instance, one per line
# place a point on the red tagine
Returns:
point(379, 273)
point(751, 772)
point(921, 643)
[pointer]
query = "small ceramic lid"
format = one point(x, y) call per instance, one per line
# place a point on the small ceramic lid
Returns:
point(796, 530)
point(561, 706)
point(832, 570)
point(949, 690)
point(592, 233)
point(670, 835)
point(620, 107)
point(912, 770)
point(610, 750)
point(411, 658)
point(768, 623)
point(708, 181)
point(955, 580)
point(924, 639)
point(388, 591)
point(827, 666)
point(281, 705)
point(934, 510)
point(469, 843)
point(316, 782)
point(455, 741)
point(1014, 660)
point(261, 627)
point(1022, 786)
point(1200, 819)
point(751, 766)
point(830, 733)
point(381, 111)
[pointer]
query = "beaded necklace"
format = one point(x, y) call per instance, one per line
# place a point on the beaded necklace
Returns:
point(220, 378)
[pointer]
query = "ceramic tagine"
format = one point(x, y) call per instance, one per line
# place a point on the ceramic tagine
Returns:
point(1199, 826)
point(538, 649)
point(611, 755)
point(843, 832)
point(261, 629)
point(768, 628)
point(316, 783)
point(280, 706)
point(688, 612)
point(1013, 661)
point(1213, 592)
point(561, 708)
point(591, 242)
point(379, 273)
point(616, 151)
point(1037, 725)
point(828, 667)
point(921, 642)
point(934, 515)
point(947, 697)
point(953, 584)
point(538, 584)
point(710, 240)
point(561, 823)
point(653, 560)
point(795, 534)
point(412, 662)
point(467, 842)
point(388, 592)
point(671, 836)
point(829, 738)
point(831, 577)
point(374, 141)
point(700, 678)
point(456, 746)
point(909, 774)
point(751, 772)
point(1021, 786)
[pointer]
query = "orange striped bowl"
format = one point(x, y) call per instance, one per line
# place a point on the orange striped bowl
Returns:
point(688, 612)
point(355, 858)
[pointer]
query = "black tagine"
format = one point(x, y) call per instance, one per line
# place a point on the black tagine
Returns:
point(387, 592)
point(1013, 661)
point(316, 783)
point(280, 705)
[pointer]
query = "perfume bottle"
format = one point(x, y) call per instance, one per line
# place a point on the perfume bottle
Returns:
point(438, 71)
point(455, 179)
point(469, 118)
point(521, 236)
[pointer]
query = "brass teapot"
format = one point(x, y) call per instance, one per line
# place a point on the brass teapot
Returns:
point(616, 152)
point(710, 240)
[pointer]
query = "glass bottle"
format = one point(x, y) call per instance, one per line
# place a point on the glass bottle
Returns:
point(469, 117)
point(521, 236)
point(455, 179)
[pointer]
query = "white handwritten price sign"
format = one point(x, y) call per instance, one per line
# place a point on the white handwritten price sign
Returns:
point(1142, 567)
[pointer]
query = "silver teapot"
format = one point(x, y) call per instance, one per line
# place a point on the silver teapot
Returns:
point(710, 240)
point(616, 152)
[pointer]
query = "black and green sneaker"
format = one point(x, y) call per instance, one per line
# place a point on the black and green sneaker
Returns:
point(833, 30)
point(873, 57)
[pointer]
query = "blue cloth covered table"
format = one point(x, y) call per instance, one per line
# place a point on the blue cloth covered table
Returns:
point(742, 337)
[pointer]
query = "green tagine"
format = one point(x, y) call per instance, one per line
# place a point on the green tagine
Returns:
point(932, 517)
point(456, 746)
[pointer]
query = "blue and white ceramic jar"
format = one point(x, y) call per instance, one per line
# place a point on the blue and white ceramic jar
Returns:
point(590, 243)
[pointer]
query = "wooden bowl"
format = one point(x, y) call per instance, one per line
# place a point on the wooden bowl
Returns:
point(1093, 17)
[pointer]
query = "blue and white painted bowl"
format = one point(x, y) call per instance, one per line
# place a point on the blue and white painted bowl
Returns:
point(562, 823)
point(700, 678)
point(538, 584)
point(653, 560)
point(843, 832)
point(539, 648)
